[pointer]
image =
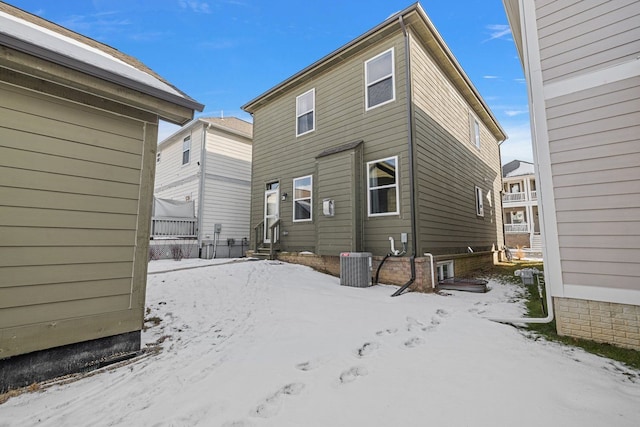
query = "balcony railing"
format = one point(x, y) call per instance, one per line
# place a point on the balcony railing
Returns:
point(534, 195)
point(179, 228)
point(516, 228)
point(514, 197)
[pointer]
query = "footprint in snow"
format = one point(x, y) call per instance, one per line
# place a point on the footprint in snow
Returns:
point(305, 366)
point(442, 313)
point(352, 374)
point(367, 348)
point(413, 342)
point(271, 405)
point(387, 332)
point(414, 323)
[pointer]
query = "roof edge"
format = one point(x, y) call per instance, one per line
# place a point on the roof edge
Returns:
point(92, 70)
point(204, 121)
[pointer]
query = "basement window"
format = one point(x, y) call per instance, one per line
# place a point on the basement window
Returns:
point(445, 269)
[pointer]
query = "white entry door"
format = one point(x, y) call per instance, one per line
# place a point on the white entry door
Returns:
point(271, 208)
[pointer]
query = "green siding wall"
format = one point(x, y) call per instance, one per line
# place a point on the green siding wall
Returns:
point(340, 118)
point(449, 165)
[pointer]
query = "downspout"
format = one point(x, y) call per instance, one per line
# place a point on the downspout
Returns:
point(412, 257)
point(527, 70)
point(203, 170)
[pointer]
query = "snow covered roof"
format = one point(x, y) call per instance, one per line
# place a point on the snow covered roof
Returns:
point(517, 168)
point(38, 37)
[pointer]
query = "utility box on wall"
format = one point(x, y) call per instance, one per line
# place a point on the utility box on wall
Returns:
point(355, 269)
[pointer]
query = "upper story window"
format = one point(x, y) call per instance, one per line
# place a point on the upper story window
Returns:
point(305, 112)
point(186, 150)
point(302, 198)
point(475, 132)
point(379, 80)
point(479, 202)
point(382, 187)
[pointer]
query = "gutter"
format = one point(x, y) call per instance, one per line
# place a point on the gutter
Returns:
point(412, 201)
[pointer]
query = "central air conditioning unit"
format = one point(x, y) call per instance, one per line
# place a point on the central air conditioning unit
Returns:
point(355, 269)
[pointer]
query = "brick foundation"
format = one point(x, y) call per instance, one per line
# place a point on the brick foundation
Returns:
point(397, 271)
point(612, 323)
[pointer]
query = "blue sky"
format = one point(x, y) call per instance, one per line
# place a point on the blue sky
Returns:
point(224, 53)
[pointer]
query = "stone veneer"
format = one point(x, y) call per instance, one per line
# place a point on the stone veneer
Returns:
point(612, 323)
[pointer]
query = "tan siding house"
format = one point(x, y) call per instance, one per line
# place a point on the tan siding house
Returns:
point(582, 68)
point(383, 137)
point(221, 147)
point(78, 135)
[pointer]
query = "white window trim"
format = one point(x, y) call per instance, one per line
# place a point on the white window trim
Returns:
point(475, 132)
point(439, 265)
point(479, 201)
point(185, 139)
point(313, 110)
point(295, 199)
point(396, 185)
point(367, 83)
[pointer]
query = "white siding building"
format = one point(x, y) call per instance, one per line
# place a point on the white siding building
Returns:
point(520, 206)
point(222, 149)
point(581, 62)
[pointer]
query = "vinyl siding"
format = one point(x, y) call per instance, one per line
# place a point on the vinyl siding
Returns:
point(449, 165)
point(176, 181)
point(577, 37)
point(70, 191)
point(595, 158)
point(340, 118)
point(227, 186)
point(340, 174)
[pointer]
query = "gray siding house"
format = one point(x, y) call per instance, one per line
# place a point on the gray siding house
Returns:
point(581, 64)
point(385, 136)
point(78, 132)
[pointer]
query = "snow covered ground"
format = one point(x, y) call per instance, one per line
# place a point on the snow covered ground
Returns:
point(263, 343)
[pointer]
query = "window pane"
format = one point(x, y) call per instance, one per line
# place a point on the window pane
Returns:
point(303, 188)
point(383, 200)
point(382, 173)
point(380, 92)
point(305, 103)
point(379, 67)
point(185, 157)
point(305, 123)
point(302, 209)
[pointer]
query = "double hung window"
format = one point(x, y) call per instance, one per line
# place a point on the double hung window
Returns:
point(382, 187)
point(479, 202)
point(186, 150)
point(302, 198)
point(379, 80)
point(305, 112)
